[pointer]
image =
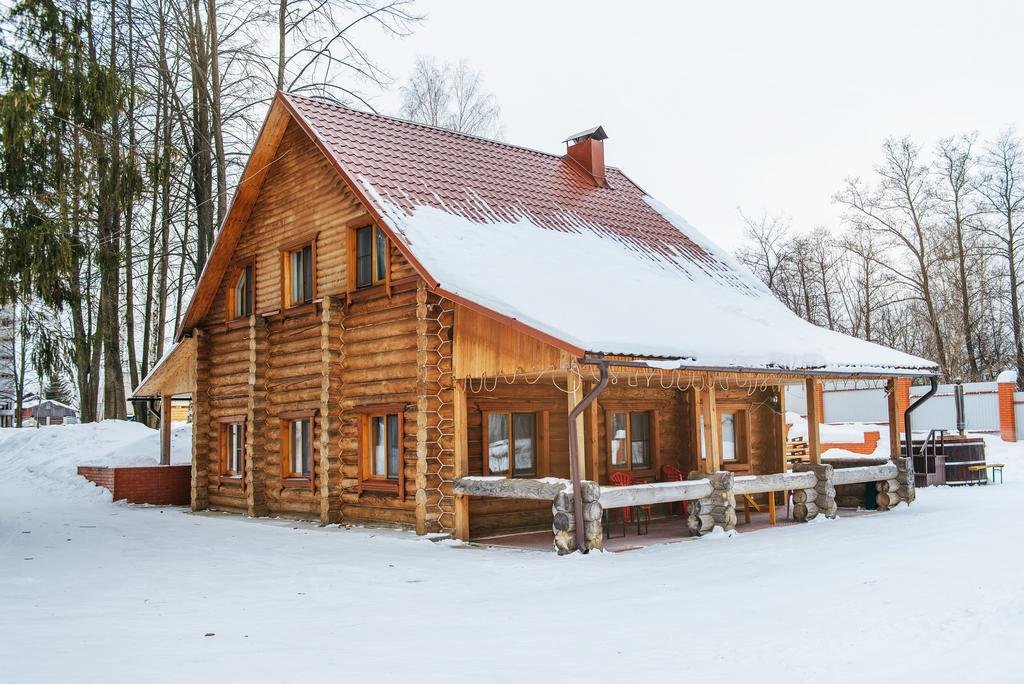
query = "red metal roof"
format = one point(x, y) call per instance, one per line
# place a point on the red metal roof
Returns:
point(412, 164)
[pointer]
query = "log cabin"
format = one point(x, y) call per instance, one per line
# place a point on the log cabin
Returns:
point(390, 308)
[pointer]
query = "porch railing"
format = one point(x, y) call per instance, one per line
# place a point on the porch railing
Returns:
point(814, 490)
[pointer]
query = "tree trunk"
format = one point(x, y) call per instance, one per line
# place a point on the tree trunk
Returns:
point(282, 31)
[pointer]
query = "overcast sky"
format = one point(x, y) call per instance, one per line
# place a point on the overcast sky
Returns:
point(713, 106)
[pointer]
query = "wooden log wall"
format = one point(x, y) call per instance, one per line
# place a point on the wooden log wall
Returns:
point(765, 438)
point(435, 422)
point(379, 341)
point(341, 352)
point(489, 515)
point(674, 434)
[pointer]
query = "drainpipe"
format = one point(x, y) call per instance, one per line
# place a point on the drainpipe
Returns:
point(909, 449)
point(574, 461)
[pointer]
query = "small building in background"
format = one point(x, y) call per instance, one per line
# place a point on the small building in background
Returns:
point(47, 412)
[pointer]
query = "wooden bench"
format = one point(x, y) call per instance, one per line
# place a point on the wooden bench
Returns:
point(993, 466)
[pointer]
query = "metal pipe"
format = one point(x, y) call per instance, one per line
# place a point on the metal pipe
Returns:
point(909, 449)
point(961, 417)
point(574, 461)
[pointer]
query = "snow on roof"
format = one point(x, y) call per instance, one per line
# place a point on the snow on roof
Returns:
point(604, 269)
point(52, 402)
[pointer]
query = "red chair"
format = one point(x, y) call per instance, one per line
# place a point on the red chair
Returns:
point(624, 479)
point(669, 473)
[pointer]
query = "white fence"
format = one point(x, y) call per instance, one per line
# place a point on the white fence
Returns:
point(865, 402)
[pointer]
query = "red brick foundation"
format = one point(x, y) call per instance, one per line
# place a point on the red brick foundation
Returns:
point(156, 485)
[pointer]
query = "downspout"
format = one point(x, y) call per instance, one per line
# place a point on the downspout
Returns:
point(909, 448)
point(574, 464)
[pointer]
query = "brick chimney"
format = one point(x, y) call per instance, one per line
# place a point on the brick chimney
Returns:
point(586, 151)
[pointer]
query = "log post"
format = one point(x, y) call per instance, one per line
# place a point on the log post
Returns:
point(898, 489)
point(256, 419)
point(461, 447)
point(330, 411)
point(564, 521)
point(813, 422)
point(165, 429)
point(808, 503)
point(575, 398)
point(709, 411)
point(200, 485)
point(716, 510)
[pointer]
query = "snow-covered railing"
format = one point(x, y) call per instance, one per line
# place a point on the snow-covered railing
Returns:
point(776, 482)
point(544, 489)
point(876, 473)
point(654, 493)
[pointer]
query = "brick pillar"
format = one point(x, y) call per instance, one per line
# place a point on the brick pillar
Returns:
point(902, 397)
point(819, 400)
point(1007, 414)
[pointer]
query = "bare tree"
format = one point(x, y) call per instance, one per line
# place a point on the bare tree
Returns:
point(318, 46)
point(957, 198)
point(767, 252)
point(1002, 187)
point(901, 208)
point(452, 96)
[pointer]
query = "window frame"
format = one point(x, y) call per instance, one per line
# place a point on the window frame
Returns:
point(541, 428)
point(742, 426)
point(368, 482)
point(353, 261)
point(224, 475)
point(628, 408)
point(290, 480)
point(287, 250)
point(232, 284)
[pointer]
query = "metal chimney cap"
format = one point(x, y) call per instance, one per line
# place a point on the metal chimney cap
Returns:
point(596, 133)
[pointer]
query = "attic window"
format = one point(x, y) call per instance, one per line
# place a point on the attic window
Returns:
point(371, 256)
point(241, 294)
point(298, 271)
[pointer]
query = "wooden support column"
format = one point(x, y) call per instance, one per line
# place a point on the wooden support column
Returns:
point(165, 429)
point(894, 419)
point(256, 419)
point(575, 397)
point(813, 422)
point(709, 411)
point(780, 425)
point(693, 416)
point(201, 425)
point(461, 447)
point(593, 445)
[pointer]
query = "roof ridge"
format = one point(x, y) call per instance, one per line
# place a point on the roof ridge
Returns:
point(440, 129)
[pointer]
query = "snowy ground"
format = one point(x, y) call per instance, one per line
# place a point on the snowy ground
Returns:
point(91, 590)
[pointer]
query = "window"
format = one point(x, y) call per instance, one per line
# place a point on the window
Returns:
point(510, 434)
point(232, 447)
point(297, 449)
point(733, 433)
point(371, 256)
point(630, 440)
point(298, 271)
point(381, 461)
point(241, 295)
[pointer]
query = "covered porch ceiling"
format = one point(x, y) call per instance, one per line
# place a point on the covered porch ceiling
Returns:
point(174, 375)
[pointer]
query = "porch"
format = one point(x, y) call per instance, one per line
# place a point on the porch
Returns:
point(662, 529)
point(640, 426)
